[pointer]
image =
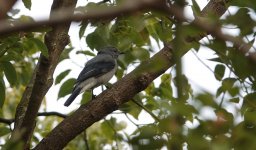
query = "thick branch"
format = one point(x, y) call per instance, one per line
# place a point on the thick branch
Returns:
point(61, 15)
point(109, 100)
point(42, 79)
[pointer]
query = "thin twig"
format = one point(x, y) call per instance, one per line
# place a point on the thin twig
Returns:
point(52, 113)
point(148, 111)
point(86, 140)
point(6, 121)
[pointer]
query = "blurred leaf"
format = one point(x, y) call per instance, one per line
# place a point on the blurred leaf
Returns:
point(249, 102)
point(27, 3)
point(87, 96)
point(107, 130)
point(146, 138)
point(196, 8)
point(119, 73)
point(66, 87)
point(9, 72)
point(4, 131)
point(219, 71)
point(83, 26)
point(244, 3)
point(92, 40)
point(131, 108)
point(235, 100)
point(61, 76)
point(86, 53)
point(2, 93)
point(186, 88)
point(220, 48)
point(65, 54)
point(207, 99)
point(41, 46)
point(140, 53)
point(247, 25)
point(219, 91)
point(165, 87)
point(228, 83)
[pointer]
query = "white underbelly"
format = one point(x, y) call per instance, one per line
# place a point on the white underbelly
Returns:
point(93, 82)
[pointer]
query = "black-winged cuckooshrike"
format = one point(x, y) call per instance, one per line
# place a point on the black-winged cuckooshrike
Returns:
point(97, 71)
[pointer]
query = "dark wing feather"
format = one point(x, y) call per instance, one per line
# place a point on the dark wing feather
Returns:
point(95, 70)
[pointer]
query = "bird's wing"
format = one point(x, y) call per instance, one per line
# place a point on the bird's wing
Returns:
point(95, 70)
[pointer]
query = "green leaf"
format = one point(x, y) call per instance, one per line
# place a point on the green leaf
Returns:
point(92, 40)
point(219, 71)
point(106, 129)
point(196, 8)
point(219, 91)
point(141, 53)
point(207, 99)
point(165, 87)
point(131, 108)
point(2, 93)
point(228, 83)
point(61, 76)
point(247, 25)
point(249, 102)
point(86, 53)
point(65, 54)
point(27, 3)
point(82, 28)
point(235, 100)
point(87, 96)
point(4, 131)
point(9, 72)
point(41, 46)
point(66, 87)
point(98, 38)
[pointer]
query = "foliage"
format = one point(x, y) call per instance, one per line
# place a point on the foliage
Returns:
point(178, 121)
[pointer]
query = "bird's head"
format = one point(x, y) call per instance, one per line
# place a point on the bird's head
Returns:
point(110, 50)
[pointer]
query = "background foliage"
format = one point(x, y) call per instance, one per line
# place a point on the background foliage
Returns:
point(171, 102)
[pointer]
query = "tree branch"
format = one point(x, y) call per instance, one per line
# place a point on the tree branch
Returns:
point(42, 79)
point(62, 15)
point(51, 113)
point(215, 30)
point(6, 121)
point(148, 111)
point(109, 100)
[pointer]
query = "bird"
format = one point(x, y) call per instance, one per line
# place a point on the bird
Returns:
point(97, 71)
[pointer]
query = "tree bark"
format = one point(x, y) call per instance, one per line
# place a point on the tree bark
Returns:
point(27, 109)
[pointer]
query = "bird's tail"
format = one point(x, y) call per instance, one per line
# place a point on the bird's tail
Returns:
point(72, 97)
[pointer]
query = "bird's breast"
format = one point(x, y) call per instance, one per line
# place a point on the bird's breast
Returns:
point(106, 77)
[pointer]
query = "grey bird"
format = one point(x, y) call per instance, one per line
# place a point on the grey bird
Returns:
point(97, 71)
